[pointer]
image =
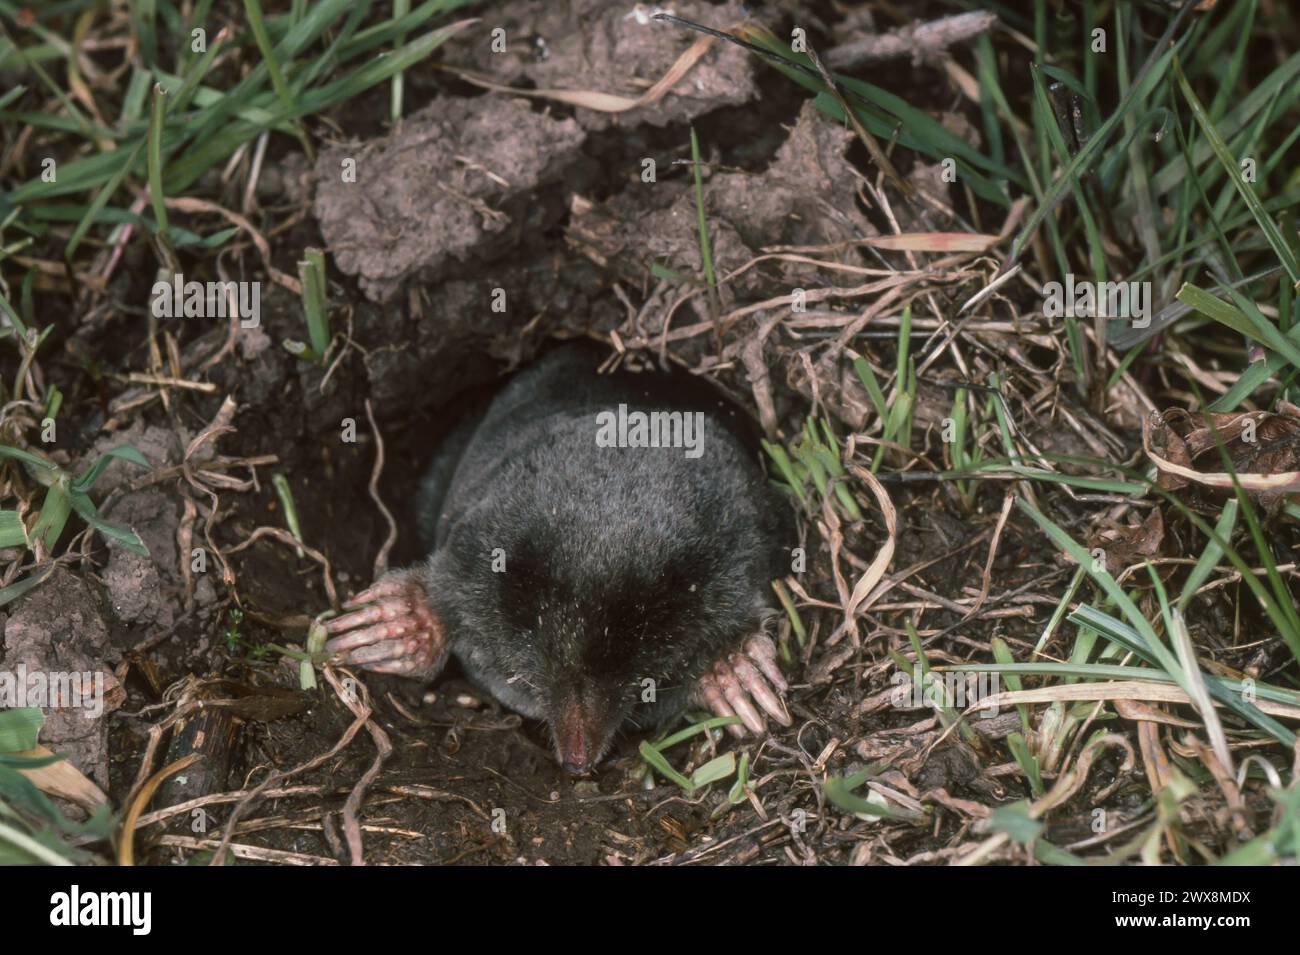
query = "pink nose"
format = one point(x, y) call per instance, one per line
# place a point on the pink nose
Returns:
point(575, 740)
point(576, 766)
point(575, 754)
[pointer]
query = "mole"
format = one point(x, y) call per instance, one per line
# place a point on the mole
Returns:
point(601, 551)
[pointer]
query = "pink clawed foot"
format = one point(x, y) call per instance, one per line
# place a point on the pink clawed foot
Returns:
point(393, 631)
point(746, 683)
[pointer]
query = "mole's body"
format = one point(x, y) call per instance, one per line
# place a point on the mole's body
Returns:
point(581, 576)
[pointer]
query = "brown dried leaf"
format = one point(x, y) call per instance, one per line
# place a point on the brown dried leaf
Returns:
point(65, 781)
point(1263, 446)
point(1127, 545)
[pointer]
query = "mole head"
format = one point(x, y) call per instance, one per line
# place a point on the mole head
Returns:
point(590, 676)
point(598, 642)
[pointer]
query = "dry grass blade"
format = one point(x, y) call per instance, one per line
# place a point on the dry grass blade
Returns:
point(1113, 690)
point(64, 780)
point(873, 147)
point(934, 242)
point(1283, 482)
point(1196, 688)
point(594, 99)
point(858, 601)
point(126, 845)
point(381, 558)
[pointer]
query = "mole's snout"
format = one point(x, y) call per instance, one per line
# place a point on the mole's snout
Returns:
point(577, 765)
point(579, 736)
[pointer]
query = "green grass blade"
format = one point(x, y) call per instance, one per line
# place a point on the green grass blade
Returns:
point(1221, 152)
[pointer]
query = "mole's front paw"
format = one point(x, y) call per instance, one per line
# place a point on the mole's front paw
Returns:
point(393, 631)
point(746, 683)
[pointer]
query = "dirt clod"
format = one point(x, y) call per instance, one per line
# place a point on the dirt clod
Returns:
point(452, 183)
point(58, 631)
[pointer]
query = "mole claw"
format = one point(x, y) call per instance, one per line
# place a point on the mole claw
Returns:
point(763, 694)
point(389, 586)
point(746, 683)
point(739, 701)
point(711, 696)
point(382, 652)
point(359, 638)
point(400, 667)
point(355, 619)
point(762, 651)
point(390, 628)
